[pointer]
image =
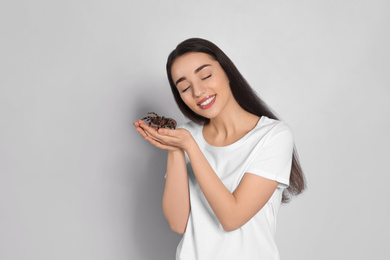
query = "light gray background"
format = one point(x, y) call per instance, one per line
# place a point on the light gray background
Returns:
point(78, 183)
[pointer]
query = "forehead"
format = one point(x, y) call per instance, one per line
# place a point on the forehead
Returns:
point(189, 62)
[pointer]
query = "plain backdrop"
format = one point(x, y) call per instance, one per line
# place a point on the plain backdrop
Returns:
point(78, 183)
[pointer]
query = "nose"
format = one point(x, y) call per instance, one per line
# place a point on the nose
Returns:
point(199, 89)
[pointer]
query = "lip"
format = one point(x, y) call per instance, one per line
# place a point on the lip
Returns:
point(203, 100)
point(209, 104)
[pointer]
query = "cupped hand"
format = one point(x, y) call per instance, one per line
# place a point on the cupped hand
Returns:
point(166, 139)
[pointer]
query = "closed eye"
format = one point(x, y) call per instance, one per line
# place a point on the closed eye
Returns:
point(207, 77)
point(184, 90)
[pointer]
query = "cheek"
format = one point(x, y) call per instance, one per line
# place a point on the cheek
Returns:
point(187, 100)
point(220, 82)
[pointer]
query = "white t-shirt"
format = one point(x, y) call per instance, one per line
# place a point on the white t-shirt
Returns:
point(265, 151)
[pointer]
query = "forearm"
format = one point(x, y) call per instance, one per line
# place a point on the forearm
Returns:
point(175, 202)
point(220, 199)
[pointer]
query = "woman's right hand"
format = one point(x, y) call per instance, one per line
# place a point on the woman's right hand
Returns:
point(144, 130)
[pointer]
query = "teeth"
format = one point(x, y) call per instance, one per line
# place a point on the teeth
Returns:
point(207, 101)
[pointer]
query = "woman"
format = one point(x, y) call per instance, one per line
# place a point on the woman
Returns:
point(230, 167)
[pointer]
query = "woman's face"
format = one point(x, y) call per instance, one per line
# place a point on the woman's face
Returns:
point(202, 83)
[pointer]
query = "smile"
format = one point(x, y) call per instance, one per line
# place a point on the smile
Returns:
point(207, 102)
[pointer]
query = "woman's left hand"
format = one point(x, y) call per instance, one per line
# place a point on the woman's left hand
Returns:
point(162, 138)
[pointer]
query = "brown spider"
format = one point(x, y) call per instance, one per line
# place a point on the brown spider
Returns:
point(160, 121)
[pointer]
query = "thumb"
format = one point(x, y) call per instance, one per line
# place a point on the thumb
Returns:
point(165, 131)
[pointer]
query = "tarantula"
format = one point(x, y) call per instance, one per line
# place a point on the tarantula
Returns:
point(160, 121)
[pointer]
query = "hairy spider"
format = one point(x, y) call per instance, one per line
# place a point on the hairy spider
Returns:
point(160, 121)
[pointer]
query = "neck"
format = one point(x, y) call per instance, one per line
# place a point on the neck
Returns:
point(232, 120)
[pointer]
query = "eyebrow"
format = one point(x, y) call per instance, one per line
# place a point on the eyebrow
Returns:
point(196, 71)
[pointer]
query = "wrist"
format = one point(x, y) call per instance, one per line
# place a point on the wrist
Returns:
point(176, 152)
point(190, 144)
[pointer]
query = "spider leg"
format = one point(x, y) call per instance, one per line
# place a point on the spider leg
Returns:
point(153, 113)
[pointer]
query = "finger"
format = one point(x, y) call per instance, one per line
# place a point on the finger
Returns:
point(154, 138)
point(158, 144)
point(152, 133)
point(146, 126)
point(141, 128)
point(141, 132)
point(169, 136)
point(143, 125)
point(166, 140)
point(167, 132)
point(145, 134)
point(137, 126)
point(150, 130)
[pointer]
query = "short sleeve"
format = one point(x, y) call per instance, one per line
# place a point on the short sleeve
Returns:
point(273, 159)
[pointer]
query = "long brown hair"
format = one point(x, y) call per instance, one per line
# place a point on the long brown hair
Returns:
point(242, 92)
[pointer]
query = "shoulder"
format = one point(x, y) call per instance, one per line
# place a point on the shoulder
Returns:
point(276, 125)
point(282, 127)
point(274, 129)
point(281, 136)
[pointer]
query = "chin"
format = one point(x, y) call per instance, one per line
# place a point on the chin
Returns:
point(210, 115)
